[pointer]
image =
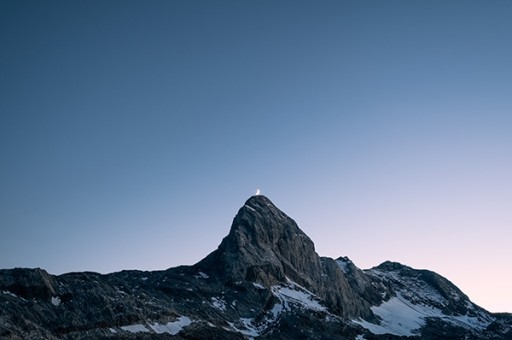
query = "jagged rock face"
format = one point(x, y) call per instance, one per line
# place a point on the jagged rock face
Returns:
point(265, 280)
point(28, 283)
point(437, 307)
point(452, 300)
point(266, 246)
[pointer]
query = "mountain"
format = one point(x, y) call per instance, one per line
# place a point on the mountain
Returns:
point(265, 280)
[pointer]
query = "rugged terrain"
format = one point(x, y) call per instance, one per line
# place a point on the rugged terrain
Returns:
point(265, 280)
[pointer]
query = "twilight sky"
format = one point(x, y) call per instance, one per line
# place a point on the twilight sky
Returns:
point(132, 131)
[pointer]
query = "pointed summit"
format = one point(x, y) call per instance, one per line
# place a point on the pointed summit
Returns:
point(264, 245)
point(259, 200)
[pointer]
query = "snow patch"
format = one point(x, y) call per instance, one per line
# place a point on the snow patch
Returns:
point(201, 275)
point(10, 293)
point(172, 328)
point(402, 317)
point(472, 322)
point(136, 328)
point(343, 264)
point(219, 303)
point(250, 208)
point(398, 317)
point(290, 294)
point(277, 309)
point(258, 285)
point(250, 329)
point(294, 293)
point(112, 330)
point(418, 291)
point(56, 301)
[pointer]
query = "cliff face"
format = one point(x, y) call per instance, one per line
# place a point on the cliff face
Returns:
point(264, 280)
point(266, 246)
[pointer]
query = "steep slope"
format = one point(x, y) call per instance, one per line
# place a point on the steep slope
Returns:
point(265, 280)
point(423, 302)
point(266, 246)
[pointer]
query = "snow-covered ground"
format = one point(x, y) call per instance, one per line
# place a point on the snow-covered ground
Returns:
point(399, 317)
point(171, 328)
point(402, 317)
point(136, 328)
point(296, 294)
point(219, 303)
point(291, 294)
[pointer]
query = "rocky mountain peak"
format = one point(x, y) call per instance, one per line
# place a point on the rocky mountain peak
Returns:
point(256, 201)
point(264, 245)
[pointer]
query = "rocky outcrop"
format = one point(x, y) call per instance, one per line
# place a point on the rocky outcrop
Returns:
point(28, 284)
point(265, 280)
point(266, 246)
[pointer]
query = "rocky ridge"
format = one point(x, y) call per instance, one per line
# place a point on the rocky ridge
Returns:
point(265, 280)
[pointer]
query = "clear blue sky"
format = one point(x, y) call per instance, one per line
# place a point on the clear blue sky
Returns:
point(131, 132)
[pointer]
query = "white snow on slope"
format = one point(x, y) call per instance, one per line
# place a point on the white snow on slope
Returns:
point(417, 289)
point(289, 295)
point(258, 285)
point(172, 328)
point(306, 299)
point(201, 275)
point(12, 294)
point(467, 321)
point(56, 300)
point(294, 293)
point(401, 317)
point(9, 293)
point(137, 328)
point(249, 329)
point(343, 264)
point(219, 303)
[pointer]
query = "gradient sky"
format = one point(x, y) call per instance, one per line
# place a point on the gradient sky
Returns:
point(132, 132)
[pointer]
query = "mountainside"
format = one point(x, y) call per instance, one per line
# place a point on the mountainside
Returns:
point(265, 280)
